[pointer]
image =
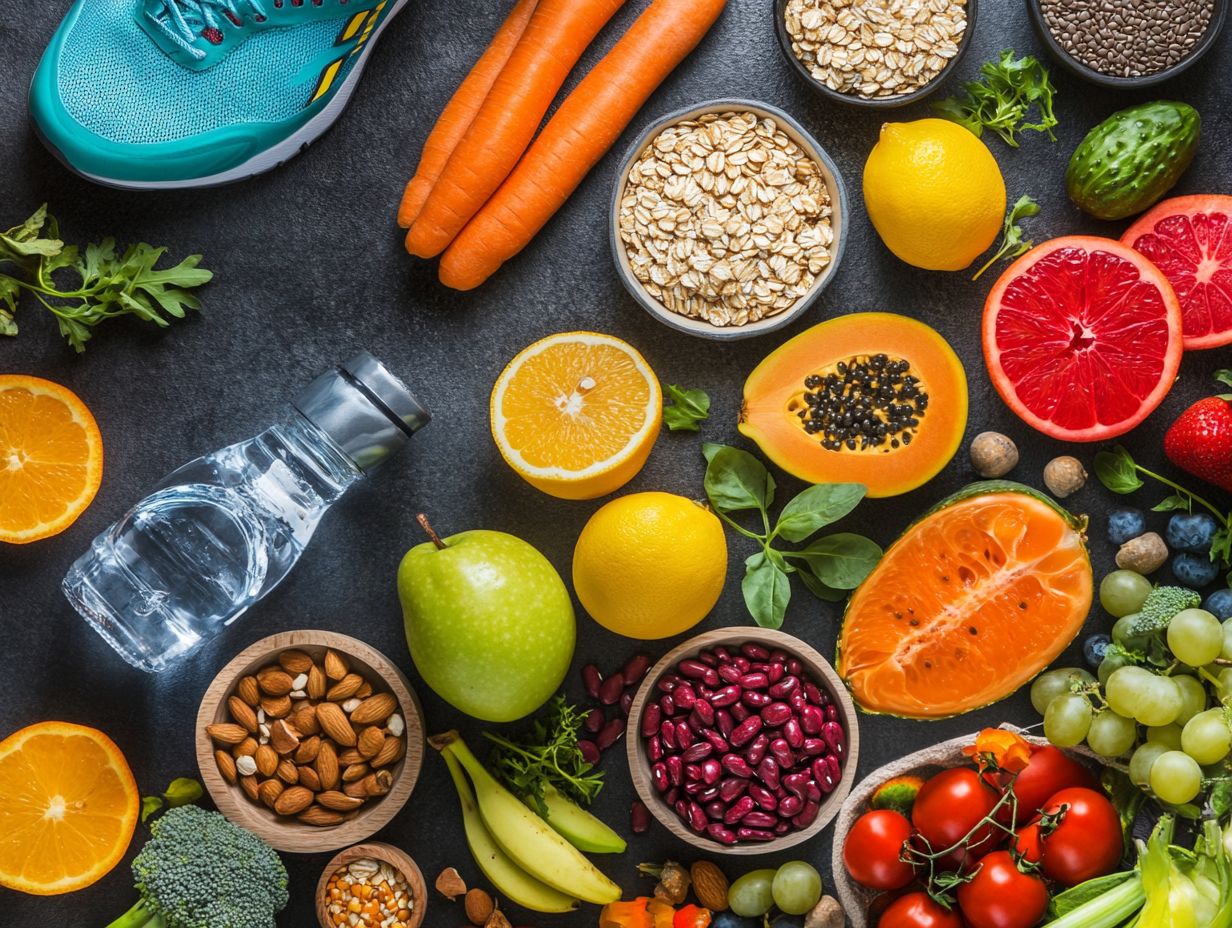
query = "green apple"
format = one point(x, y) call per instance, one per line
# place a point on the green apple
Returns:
point(489, 622)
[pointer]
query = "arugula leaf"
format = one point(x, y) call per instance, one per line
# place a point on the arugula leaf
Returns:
point(1116, 471)
point(1002, 99)
point(689, 407)
point(817, 507)
point(1012, 244)
point(841, 561)
point(735, 480)
point(767, 590)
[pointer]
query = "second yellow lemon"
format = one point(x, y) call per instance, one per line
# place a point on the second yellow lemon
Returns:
point(934, 193)
point(650, 565)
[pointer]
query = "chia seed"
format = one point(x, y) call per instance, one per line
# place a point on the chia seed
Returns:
point(865, 402)
point(1128, 38)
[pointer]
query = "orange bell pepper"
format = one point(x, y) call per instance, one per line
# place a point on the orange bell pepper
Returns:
point(632, 914)
point(691, 916)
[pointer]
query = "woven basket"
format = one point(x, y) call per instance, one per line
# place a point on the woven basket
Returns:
point(854, 897)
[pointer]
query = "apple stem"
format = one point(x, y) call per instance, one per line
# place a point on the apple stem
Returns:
point(429, 531)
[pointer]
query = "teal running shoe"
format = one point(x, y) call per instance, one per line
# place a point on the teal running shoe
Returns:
point(193, 93)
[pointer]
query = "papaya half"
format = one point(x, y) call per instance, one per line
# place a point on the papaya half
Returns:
point(872, 398)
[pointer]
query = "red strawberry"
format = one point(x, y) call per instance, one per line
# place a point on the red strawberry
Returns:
point(1200, 440)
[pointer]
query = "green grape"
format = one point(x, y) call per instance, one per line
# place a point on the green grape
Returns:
point(1067, 719)
point(1175, 777)
point(1142, 761)
point(1111, 735)
point(1108, 665)
point(1123, 592)
point(797, 887)
point(1167, 735)
point(1160, 702)
point(1206, 737)
point(1195, 637)
point(1226, 652)
point(1193, 696)
point(1225, 680)
point(1122, 633)
point(752, 895)
point(1124, 689)
point(1053, 683)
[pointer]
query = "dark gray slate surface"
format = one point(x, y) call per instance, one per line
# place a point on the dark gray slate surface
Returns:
point(310, 268)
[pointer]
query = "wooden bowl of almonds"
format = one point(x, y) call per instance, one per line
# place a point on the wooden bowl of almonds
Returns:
point(310, 739)
point(728, 219)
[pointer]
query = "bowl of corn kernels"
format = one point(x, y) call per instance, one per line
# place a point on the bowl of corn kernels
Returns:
point(372, 885)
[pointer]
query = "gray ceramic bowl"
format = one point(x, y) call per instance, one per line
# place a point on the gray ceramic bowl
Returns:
point(838, 221)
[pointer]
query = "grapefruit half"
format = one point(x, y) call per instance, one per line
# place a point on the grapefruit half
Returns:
point(1082, 337)
point(1190, 240)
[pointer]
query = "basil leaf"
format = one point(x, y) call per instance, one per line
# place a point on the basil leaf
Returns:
point(840, 561)
point(819, 589)
point(736, 480)
point(1175, 501)
point(817, 507)
point(1116, 471)
point(766, 589)
point(689, 407)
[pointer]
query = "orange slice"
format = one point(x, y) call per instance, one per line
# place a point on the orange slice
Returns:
point(51, 458)
point(68, 807)
point(576, 414)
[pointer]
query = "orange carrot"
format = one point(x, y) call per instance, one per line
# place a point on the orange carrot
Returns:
point(585, 126)
point(555, 37)
point(459, 113)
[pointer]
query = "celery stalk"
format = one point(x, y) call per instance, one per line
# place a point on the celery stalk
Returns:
point(1106, 910)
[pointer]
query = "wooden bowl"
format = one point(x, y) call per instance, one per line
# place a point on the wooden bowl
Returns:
point(377, 850)
point(816, 666)
point(288, 834)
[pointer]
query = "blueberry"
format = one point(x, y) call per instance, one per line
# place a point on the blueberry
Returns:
point(1191, 532)
point(1194, 570)
point(786, 921)
point(1124, 524)
point(1093, 649)
point(1219, 604)
point(732, 920)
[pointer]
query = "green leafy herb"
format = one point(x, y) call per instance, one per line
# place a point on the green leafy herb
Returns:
point(828, 567)
point(546, 755)
point(108, 283)
point(1012, 244)
point(689, 407)
point(1001, 100)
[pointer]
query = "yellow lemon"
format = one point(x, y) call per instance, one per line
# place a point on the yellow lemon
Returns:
point(650, 565)
point(934, 193)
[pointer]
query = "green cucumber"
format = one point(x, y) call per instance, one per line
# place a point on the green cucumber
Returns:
point(1132, 158)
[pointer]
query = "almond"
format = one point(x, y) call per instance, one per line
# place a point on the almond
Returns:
point(293, 800)
point(378, 784)
point(371, 740)
point(315, 815)
point(269, 791)
point(228, 732)
point(358, 790)
point(375, 709)
point(391, 750)
point(350, 756)
point(339, 802)
point(249, 786)
point(327, 766)
point(267, 760)
point(450, 884)
point(333, 722)
point(276, 707)
point(355, 772)
point(315, 687)
point(283, 737)
point(478, 906)
point(274, 681)
point(335, 665)
point(308, 749)
point(245, 748)
point(497, 920)
point(305, 719)
point(242, 714)
point(364, 691)
point(287, 771)
point(308, 777)
point(344, 688)
point(226, 765)
point(248, 691)
point(294, 661)
point(709, 885)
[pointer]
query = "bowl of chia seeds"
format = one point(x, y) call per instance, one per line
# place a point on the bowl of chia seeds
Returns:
point(1127, 43)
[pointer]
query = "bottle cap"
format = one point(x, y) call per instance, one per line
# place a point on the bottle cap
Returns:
point(367, 411)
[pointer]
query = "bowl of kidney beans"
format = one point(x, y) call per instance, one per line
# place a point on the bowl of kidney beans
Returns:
point(743, 741)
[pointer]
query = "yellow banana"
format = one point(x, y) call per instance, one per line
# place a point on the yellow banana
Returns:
point(527, 838)
point(507, 878)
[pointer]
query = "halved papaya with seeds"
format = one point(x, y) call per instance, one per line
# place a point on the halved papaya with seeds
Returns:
point(872, 398)
point(973, 600)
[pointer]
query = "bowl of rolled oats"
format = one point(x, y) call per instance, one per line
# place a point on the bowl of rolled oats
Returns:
point(728, 219)
point(874, 53)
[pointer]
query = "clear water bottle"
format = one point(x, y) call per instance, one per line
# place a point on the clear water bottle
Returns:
point(223, 530)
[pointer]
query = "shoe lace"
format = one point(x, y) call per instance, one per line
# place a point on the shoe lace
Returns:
point(182, 21)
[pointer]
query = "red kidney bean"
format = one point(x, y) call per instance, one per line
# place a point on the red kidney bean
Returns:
point(658, 775)
point(740, 712)
point(668, 705)
point(807, 815)
point(711, 771)
point(682, 808)
point(754, 834)
point(778, 654)
point(754, 651)
point(831, 712)
point(692, 773)
point(745, 732)
point(693, 788)
point(811, 720)
point(722, 654)
point(767, 772)
point(717, 832)
point(667, 734)
point(755, 698)
point(756, 819)
point(774, 672)
point(591, 680)
point(594, 721)
point(672, 796)
point(709, 794)
point(651, 716)
point(832, 766)
point(763, 797)
point(823, 775)
point(611, 689)
point(813, 694)
point(794, 666)
point(782, 753)
point(708, 658)
point(754, 681)
point(714, 810)
point(776, 714)
point(612, 732)
point(589, 751)
point(635, 668)
point(725, 697)
point(667, 683)
point(793, 734)
point(626, 702)
point(726, 723)
point(717, 741)
point(697, 818)
point(782, 828)
point(739, 809)
point(785, 687)
point(684, 735)
point(757, 749)
point(832, 732)
point(698, 717)
point(790, 806)
point(654, 748)
point(639, 817)
point(732, 788)
point(813, 747)
point(698, 751)
point(797, 783)
point(675, 769)
point(730, 673)
point(685, 697)
point(742, 664)
point(813, 791)
point(797, 701)
point(736, 765)
point(692, 668)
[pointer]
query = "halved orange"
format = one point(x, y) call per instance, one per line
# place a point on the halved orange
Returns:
point(68, 807)
point(970, 603)
point(51, 458)
point(576, 414)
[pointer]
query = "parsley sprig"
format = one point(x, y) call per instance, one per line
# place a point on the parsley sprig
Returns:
point(546, 755)
point(1012, 244)
point(1003, 97)
point(108, 283)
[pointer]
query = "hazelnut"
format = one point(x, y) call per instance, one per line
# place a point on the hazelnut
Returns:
point(993, 454)
point(1144, 554)
point(1064, 476)
point(827, 913)
point(478, 905)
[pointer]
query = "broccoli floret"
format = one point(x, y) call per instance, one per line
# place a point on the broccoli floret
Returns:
point(1162, 603)
point(200, 871)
